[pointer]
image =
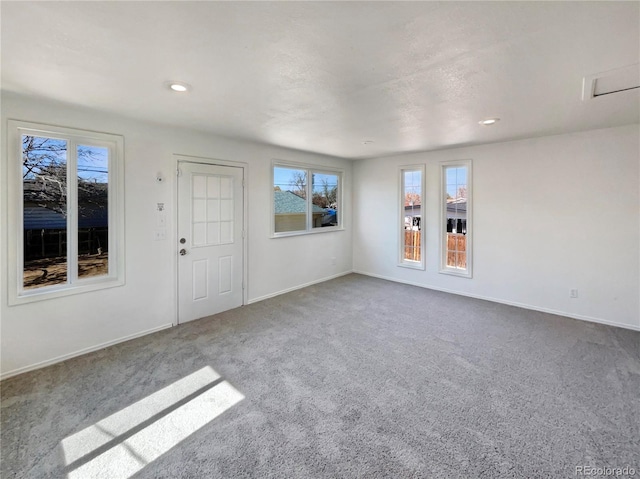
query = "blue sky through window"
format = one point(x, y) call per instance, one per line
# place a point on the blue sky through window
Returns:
point(456, 179)
point(42, 152)
point(93, 163)
point(413, 182)
point(283, 177)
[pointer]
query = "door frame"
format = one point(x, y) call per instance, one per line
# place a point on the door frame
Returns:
point(178, 159)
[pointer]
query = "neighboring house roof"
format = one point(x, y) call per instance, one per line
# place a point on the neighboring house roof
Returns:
point(459, 204)
point(413, 208)
point(37, 217)
point(42, 201)
point(287, 203)
point(40, 217)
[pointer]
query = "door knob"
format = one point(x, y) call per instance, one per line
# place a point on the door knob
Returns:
point(183, 252)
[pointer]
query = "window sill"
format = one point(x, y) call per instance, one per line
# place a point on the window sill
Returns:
point(412, 265)
point(454, 272)
point(54, 292)
point(286, 234)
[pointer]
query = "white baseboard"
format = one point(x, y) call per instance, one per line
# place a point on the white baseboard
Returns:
point(502, 301)
point(80, 352)
point(300, 286)
point(97, 347)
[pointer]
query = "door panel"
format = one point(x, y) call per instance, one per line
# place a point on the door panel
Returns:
point(210, 265)
point(226, 274)
point(200, 279)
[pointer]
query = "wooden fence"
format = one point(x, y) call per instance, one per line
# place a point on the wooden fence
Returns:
point(456, 248)
point(412, 245)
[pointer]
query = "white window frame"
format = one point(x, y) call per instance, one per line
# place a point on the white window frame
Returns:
point(468, 272)
point(310, 170)
point(74, 284)
point(401, 236)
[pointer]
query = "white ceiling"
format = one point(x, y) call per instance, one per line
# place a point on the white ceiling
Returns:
point(326, 76)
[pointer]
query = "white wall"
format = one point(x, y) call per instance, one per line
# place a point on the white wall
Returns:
point(550, 214)
point(572, 203)
point(44, 331)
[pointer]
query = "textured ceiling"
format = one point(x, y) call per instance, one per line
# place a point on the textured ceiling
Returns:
point(327, 76)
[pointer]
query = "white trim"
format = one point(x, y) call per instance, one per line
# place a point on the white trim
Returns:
point(444, 269)
point(245, 220)
point(408, 264)
point(72, 214)
point(503, 301)
point(420, 265)
point(310, 169)
point(81, 352)
point(286, 234)
point(300, 286)
point(116, 223)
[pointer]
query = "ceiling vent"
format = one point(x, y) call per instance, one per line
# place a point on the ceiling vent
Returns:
point(613, 81)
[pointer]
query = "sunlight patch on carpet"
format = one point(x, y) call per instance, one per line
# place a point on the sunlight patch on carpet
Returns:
point(125, 442)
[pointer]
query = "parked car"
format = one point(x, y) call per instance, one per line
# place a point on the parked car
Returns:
point(330, 217)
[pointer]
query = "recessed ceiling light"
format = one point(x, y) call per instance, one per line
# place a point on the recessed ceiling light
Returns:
point(178, 86)
point(489, 121)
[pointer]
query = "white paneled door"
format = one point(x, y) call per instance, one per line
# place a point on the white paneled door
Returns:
point(210, 243)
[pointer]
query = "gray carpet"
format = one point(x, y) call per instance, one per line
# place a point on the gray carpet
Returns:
point(355, 377)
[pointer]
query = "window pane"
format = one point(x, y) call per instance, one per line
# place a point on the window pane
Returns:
point(93, 211)
point(412, 199)
point(66, 230)
point(44, 183)
point(325, 200)
point(462, 261)
point(289, 196)
point(456, 216)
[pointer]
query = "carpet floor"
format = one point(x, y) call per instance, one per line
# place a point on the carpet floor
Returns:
point(352, 378)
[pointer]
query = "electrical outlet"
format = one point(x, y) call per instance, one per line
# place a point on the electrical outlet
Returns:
point(333, 261)
point(573, 293)
point(160, 235)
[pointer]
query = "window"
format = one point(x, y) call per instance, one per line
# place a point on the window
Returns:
point(66, 211)
point(412, 246)
point(305, 199)
point(456, 218)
